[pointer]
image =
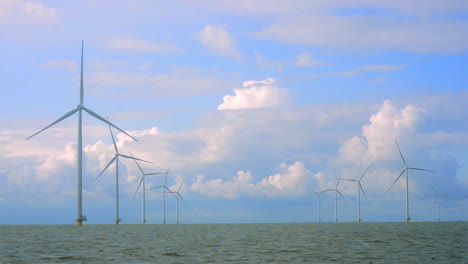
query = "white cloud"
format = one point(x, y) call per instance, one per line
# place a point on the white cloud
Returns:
point(386, 125)
point(218, 39)
point(134, 82)
point(141, 46)
point(370, 33)
point(257, 94)
point(26, 12)
point(290, 182)
point(304, 60)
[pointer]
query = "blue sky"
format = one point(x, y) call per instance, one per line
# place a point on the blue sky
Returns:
point(248, 102)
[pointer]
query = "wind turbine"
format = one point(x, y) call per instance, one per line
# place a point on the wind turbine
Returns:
point(437, 200)
point(406, 169)
point(142, 181)
point(359, 189)
point(336, 198)
point(164, 187)
point(177, 195)
point(80, 217)
point(318, 195)
point(116, 159)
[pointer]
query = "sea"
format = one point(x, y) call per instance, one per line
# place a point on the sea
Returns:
point(417, 242)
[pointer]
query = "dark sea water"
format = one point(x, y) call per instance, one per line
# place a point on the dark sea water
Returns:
point(237, 243)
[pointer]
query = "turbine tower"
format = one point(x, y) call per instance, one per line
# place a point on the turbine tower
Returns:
point(116, 159)
point(336, 198)
point(165, 188)
point(177, 195)
point(406, 169)
point(437, 200)
point(318, 195)
point(80, 217)
point(359, 189)
point(142, 182)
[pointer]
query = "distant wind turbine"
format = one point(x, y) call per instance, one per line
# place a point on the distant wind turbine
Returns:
point(406, 169)
point(164, 188)
point(359, 189)
point(336, 198)
point(318, 195)
point(142, 182)
point(80, 217)
point(177, 195)
point(437, 200)
point(116, 159)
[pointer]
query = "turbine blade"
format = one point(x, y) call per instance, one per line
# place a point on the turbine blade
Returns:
point(138, 165)
point(107, 122)
point(435, 201)
point(362, 176)
point(165, 179)
point(110, 162)
point(155, 173)
point(420, 169)
point(133, 158)
point(340, 194)
point(81, 77)
point(160, 186)
point(56, 121)
point(397, 179)
point(341, 174)
point(434, 190)
point(349, 180)
point(113, 140)
point(178, 190)
point(401, 155)
point(181, 197)
point(139, 184)
point(313, 191)
point(360, 186)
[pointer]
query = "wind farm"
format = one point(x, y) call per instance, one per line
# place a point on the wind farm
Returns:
point(294, 131)
point(115, 159)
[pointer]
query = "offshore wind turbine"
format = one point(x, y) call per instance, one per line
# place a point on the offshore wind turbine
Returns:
point(359, 189)
point(406, 169)
point(437, 200)
point(142, 182)
point(116, 159)
point(177, 195)
point(165, 188)
point(80, 217)
point(318, 195)
point(336, 198)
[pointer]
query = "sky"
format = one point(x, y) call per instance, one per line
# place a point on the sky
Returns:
point(251, 104)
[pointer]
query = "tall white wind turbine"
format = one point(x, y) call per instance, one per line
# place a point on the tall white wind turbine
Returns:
point(80, 217)
point(336, 198)
point(177, 195)
point(406, 169)
point(164, 188)
point(116, 159)
point(142, 184)
point(318, 195)
point(437, 201)
point(359, 189)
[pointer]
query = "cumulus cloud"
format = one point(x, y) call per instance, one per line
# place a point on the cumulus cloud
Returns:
point(218, 39)
point(291, 181)
point(377, 141)
point(26, 12)
point(141, 46)
point(257, 94)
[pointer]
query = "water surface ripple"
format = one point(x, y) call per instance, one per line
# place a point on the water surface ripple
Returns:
point(236, 243)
